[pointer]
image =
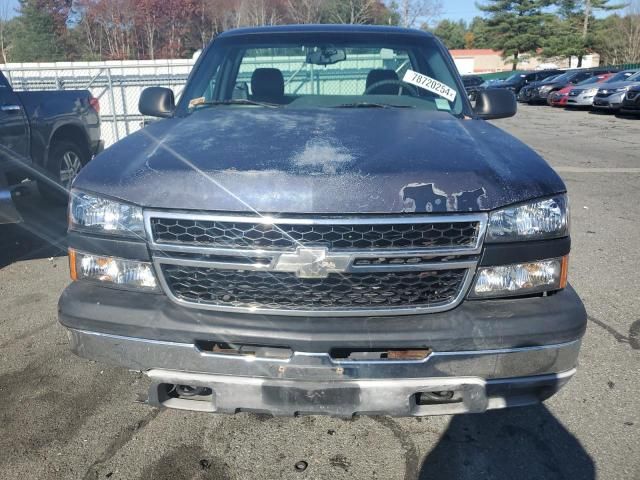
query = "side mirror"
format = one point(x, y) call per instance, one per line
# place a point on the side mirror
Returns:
point(495, 103)
point(157, 102)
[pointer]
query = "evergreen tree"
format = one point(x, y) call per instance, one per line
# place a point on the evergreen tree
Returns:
point(451, 33)
point(516, 26)
point(478, 27)
point(567, 39)
point(586, 9)
point(573, 35)
point(36, 38)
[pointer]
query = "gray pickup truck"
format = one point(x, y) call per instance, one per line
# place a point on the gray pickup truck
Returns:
point(47, 136)
point(324, 224)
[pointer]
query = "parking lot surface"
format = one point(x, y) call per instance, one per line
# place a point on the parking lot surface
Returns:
point(64, 417)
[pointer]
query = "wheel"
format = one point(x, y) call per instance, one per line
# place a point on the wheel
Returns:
point(66, 159)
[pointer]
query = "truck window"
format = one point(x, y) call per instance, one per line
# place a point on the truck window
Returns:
point(348, 77)
point(302, 71)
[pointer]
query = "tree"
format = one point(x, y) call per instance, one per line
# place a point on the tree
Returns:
point(617, 38)
point(356, 12)
point(410, 11)
point(565, 42)
point(305, 11)
point(478, 27)
point(4, 29)
point(451, 33)
point(567, 39)
point(516, 27)
point(591, 6)
point(578, 16)
point(39, 31)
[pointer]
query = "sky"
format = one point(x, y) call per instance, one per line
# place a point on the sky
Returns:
point(460, 9)
point(10, 6)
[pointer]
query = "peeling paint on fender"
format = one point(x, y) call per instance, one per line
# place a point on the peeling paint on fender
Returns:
point(426, 197)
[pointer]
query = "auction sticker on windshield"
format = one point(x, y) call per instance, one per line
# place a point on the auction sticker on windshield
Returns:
point(430, 84)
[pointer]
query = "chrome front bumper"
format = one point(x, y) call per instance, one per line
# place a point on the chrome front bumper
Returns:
point(316, 383)
point(612, 102)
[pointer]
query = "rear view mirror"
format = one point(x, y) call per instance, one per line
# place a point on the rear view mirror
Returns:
point(495, 103)
point(157, 102)
point(326, 55)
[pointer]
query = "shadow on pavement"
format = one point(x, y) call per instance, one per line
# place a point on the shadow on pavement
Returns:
point(41, 235)
point(521, 443)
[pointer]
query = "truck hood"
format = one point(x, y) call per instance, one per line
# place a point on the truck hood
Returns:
point(320, 161)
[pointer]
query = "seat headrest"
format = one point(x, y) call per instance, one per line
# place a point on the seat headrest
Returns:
point(380, 75)
point(267, 84)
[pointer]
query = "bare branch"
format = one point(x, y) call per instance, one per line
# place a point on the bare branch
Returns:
point(425, 11)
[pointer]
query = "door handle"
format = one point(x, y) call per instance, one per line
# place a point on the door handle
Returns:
point(10, 108)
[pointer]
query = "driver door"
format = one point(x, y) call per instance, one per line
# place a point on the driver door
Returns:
point(14, 133)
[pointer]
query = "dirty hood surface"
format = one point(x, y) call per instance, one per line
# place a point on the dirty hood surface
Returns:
point(320, 161)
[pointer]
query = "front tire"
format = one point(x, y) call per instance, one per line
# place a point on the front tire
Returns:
point(66, 159)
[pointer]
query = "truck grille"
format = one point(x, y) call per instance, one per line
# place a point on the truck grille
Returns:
point(289, 236)
point(285, 291)
point(339, 266)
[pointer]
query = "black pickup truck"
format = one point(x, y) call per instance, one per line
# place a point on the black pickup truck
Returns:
point(324, 225)
point(47, 136)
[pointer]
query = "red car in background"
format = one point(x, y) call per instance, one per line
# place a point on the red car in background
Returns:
point(560, 97)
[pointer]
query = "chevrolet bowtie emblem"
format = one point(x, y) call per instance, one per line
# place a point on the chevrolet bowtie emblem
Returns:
point(309, 262)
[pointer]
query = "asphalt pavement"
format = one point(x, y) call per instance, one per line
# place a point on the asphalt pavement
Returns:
point(65, 417)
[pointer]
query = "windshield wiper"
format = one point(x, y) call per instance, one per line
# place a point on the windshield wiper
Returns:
point(235, 101)
point(371, 105)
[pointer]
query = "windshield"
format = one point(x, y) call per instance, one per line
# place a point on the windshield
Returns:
point(621, 77)
point(514, 77)
point(565, 77)
point(551, 78)
point(324, 71)
point(594, 79)
point(633, 78)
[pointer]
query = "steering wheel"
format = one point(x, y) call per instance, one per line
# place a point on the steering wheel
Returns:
point(403, 86)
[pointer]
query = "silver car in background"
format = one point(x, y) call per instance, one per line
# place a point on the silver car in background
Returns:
point(612, 92)
point(582, 94)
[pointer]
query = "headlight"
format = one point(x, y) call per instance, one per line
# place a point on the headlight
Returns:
point(94, 214)
point(591, 92)
point(521, 278)
point(537, 220)
point(545, 89)
point(112, 271)
point(621, 89)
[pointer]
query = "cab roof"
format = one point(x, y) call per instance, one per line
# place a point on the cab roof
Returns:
point(332, 28)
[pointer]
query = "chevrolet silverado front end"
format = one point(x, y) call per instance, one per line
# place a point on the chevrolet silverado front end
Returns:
point(324, 225)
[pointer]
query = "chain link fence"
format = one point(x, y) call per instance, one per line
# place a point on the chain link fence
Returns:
point(117, 87)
